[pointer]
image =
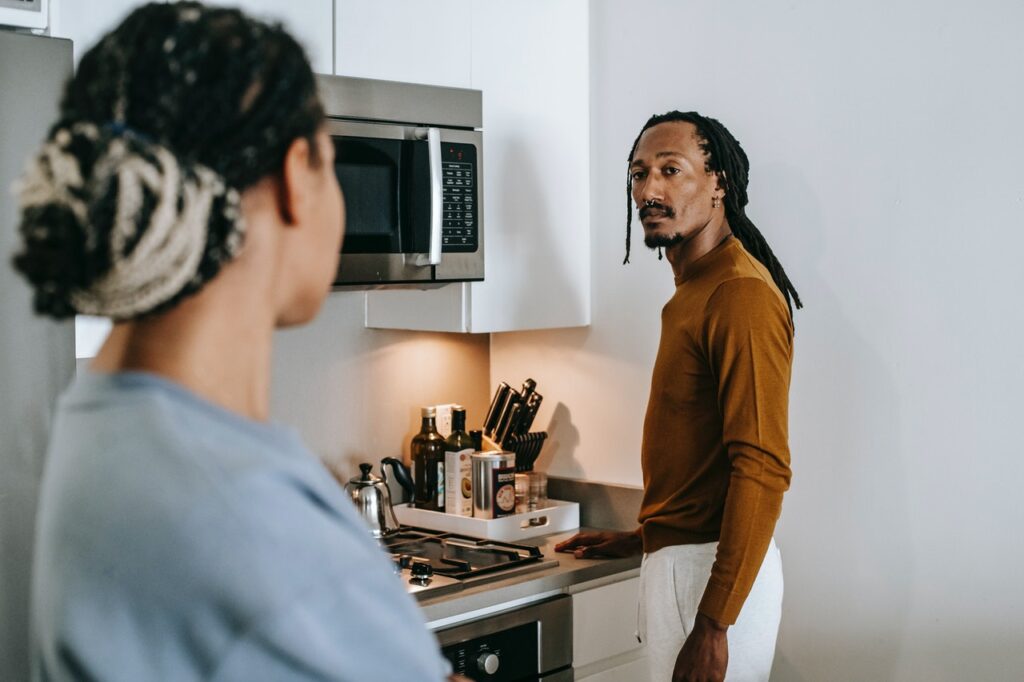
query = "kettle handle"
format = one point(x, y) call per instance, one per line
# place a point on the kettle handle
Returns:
point(401, 473)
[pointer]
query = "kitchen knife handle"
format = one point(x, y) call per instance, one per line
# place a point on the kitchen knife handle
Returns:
point(533, 404)
point(511, 426)
point(529, 386)
point(494, 413)
point(501, 429)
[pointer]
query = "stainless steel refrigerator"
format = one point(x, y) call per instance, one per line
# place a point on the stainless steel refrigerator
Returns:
point(37, 357)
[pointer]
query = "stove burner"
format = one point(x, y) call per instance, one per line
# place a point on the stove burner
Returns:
point(455, 556)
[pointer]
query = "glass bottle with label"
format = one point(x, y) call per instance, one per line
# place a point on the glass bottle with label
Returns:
point(458, 466)
point(428, 463)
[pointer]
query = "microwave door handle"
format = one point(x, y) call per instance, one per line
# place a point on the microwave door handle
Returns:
point(436, 197)
point(436, 194)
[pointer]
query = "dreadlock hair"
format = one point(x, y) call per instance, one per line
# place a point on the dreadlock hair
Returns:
point(726, 158)
point(133, 202)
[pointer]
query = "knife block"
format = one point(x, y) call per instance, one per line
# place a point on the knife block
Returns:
point(527, 447)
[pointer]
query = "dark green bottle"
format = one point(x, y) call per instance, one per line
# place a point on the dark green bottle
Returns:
point(427, 451)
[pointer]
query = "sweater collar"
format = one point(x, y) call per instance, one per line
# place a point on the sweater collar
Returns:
point(708, 260)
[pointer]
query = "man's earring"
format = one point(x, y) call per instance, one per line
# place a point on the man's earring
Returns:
point(715, 202)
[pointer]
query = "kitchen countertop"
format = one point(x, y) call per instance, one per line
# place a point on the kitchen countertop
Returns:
point(564, 578)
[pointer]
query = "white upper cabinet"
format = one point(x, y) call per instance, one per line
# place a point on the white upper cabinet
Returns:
point(310, 21)
point(531, 60)
point(406, 40)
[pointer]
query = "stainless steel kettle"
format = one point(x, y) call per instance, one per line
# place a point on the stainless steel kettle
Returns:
point(372, 498)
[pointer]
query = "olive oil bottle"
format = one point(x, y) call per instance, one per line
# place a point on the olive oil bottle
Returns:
point(428, 463)
point(458, 471)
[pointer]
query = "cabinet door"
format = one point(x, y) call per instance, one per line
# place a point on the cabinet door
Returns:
point(634, 671)
point(310, 21)
point(531, 61)
point(604, 623)
point(405, 40)
point(84, 23)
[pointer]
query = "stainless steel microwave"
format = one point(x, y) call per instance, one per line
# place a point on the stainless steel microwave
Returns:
point(409, 159)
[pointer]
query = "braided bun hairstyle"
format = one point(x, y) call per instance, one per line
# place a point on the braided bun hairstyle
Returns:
point(133, 201)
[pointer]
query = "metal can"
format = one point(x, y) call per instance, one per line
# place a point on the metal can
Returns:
point(494, 484)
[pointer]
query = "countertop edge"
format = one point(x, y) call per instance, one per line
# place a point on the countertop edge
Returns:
point(571, 576)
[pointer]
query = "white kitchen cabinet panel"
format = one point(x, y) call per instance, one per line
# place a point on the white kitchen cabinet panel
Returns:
point(84, 23)
point(531, 60)
point(604, 629)
point(310, 21)
point(634, 671)
point(405, 40)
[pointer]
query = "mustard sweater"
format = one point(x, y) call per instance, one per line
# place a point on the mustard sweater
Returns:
point(715, 446)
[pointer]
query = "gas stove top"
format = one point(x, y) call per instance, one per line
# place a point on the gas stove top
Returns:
point(433, 563)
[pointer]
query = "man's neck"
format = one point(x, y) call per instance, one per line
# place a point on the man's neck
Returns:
point(684, 254)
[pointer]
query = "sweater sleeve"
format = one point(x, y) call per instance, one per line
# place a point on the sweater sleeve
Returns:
point(748, 340)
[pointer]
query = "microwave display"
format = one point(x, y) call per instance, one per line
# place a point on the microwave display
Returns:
point(459, 186)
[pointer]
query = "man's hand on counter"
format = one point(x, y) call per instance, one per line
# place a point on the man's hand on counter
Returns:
point(611, 544)
point(459, 678)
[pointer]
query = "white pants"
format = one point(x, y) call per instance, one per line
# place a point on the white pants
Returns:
point(672, 582)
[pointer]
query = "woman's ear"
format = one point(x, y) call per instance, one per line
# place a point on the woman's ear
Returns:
point(294, 185)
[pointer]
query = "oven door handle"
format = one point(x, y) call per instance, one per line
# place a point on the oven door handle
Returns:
point(433, 257)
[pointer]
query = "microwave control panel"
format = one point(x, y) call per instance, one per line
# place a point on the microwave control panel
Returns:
point(460, 228)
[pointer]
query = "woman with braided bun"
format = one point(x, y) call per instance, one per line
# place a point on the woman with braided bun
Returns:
point(188, 193)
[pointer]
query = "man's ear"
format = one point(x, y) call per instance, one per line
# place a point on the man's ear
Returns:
point(720, 184)
point(293, 187)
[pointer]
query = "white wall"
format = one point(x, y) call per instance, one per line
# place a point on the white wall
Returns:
point(886, 147)
point(354, 393)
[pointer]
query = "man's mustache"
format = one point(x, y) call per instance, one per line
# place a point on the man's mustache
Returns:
point(656, 209)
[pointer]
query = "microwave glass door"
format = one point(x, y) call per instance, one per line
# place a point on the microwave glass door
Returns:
point(387, 206)
point(387, 211)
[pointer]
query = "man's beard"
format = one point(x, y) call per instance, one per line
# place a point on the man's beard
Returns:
point(654, 241)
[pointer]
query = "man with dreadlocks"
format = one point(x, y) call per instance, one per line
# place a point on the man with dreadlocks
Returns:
point(715, 452)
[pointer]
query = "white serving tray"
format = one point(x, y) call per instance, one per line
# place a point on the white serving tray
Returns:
point(556, 516)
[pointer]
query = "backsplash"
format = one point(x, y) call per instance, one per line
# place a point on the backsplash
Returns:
point(602, 505)
point(354, 393)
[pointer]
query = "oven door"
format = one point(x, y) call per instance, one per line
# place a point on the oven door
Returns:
point(411, 202)
point(527, 644)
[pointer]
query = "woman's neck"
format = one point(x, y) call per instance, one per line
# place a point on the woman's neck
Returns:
point(222, 354)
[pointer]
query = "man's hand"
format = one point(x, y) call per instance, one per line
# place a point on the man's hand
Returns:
point(705, 653)
point(602, 544)
point(459, 678)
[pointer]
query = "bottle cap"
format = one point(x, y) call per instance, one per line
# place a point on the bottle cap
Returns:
point(428, 411)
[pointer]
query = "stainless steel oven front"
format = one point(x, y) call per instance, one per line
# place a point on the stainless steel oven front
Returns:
point(409, 159)
point(527, 644)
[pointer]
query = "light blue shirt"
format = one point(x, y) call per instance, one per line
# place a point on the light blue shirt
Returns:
point(179, 541)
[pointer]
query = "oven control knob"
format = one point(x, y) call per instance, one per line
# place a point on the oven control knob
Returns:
point(488, 662)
